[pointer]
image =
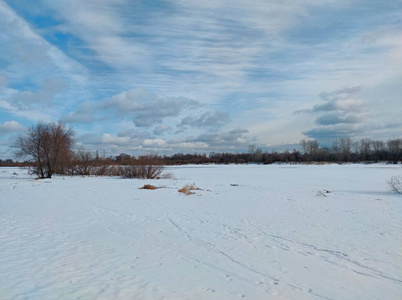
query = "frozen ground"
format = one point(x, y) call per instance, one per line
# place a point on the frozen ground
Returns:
point(276, 234)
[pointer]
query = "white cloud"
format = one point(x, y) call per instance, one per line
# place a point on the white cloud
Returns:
point(234, 139)
point(119, 140)
point(29, 53)
point(340, 100)
point(135, 142)
point(85, 113)
point(147, 109)
point(344, 113)
point(44, 97)
point(10, 127)
point(158, 130)
point(208, 119)
point(154, 142)
point(38, 74)
point(101, 25)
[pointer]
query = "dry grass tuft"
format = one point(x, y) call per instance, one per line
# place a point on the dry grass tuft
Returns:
point(188, 188)
point(149, 187)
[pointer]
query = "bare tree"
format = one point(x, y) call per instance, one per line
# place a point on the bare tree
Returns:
point(379, 150)
point(342, 148)
point(365, 148)
point(48, 145)
point(394, 149)
point(255, 153)
point(378, 146)
point(310, 148)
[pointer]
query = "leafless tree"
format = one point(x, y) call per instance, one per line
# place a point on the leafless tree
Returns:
point(48, 146)
point(255, 153)
point(379, 150)
point(378, 146)
point(310, 148)
point(342, 148)
point(394, 148)
point(365, 148)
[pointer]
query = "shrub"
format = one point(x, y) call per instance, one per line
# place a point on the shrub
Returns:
point(395, 184)
point(142, 171)
point(82, 163)
point(130, 171)
point(107, 170)
point(146, 167)
point(151, 171)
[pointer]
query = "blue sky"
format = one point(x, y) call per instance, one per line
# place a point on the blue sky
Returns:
point(201, 76)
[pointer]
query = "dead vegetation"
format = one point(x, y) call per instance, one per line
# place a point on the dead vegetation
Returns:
point(149, 187)
point(188, 189)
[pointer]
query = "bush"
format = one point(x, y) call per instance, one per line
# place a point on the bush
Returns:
point(395, 184)
point(81, 164)
point(130, 171)
point(146, 167)
point(107, 170)
point(84, 167)
point(142, 171)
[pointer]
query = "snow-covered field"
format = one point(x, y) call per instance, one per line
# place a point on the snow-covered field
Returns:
point(255, 232)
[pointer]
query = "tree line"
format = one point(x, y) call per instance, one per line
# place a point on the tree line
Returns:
point(342, 150)
point(49, 149)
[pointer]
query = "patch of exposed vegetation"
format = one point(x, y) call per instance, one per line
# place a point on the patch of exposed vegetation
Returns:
point(149, 187)
point(188, 189)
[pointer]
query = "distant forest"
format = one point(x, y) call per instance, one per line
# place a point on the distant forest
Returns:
point(343, 150)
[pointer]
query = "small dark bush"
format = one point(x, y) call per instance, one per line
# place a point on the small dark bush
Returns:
point(143, 171)
point(145, 167)
point(107, 170)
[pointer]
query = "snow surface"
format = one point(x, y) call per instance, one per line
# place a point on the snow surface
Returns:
point(255, 232)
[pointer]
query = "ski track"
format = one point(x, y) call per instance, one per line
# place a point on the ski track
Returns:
point(243, 266)
point(337, 254)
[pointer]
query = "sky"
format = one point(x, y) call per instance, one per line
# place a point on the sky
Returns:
point(203, 76)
